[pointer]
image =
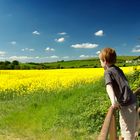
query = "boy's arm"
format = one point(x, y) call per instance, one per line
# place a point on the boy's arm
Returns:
point(111, 95)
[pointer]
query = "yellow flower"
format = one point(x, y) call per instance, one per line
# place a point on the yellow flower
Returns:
point(29, 81)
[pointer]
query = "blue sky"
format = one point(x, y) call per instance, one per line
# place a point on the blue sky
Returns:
point(51, 30)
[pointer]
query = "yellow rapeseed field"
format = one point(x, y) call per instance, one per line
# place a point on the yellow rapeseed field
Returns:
point(27, 81)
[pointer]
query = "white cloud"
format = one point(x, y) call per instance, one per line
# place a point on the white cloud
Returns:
point(137, 46)
point(136, 49)
point(62, 33)
point(60, 40)
point(65, 57)
point(49, 49)
point(98, 52)
point(31, 50)
point(2, 58)
point(99, 33)
point(54, 56)
point(2, 53)
point(35, 33)
point(28, 49)
point(32, 58)
point(19, 57)
point(85, 46)
point(84, 56)
point(37, 57)
point(13, 42)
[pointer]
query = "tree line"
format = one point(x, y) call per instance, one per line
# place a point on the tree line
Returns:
point(9, 65)
point(16, 65)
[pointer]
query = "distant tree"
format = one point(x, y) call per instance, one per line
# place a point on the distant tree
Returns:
point(7, 62)
point(15, 62)
point(15, 65)
point(2, 65)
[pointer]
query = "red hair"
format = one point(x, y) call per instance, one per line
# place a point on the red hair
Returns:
point(108, 55)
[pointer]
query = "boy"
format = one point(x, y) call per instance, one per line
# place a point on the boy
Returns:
point(119, 93)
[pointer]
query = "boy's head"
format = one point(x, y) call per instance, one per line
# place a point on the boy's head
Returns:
point(107, 56)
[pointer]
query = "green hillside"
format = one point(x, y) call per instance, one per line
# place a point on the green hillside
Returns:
point(86, 63)
point(93, 62)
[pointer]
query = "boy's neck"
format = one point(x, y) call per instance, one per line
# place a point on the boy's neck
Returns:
point(109, 65)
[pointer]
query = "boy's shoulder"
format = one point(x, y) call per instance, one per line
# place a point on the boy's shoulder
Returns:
point(113, 70)
point(110, 69)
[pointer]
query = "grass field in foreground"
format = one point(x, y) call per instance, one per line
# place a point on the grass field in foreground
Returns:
point(74, 113)
point(68, 114)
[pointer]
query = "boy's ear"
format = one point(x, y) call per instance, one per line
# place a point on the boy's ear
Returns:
point(105, 61)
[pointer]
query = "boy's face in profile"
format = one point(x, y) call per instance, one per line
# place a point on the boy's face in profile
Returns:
point(103, 64)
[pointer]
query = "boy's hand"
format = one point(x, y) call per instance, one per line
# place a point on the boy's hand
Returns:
point(116, 106)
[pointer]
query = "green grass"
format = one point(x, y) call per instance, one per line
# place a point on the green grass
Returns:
point(71, 114)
